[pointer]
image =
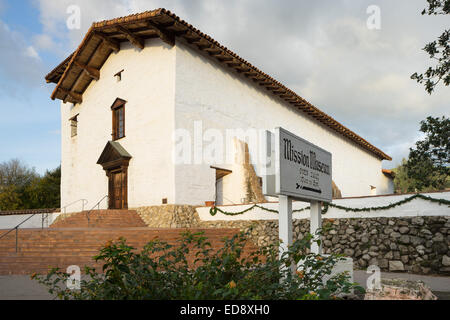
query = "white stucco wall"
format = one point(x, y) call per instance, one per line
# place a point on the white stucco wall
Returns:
point(386, 185)
point(34, 222)
point(148, 86)
point(222, 99)
point(168, 88)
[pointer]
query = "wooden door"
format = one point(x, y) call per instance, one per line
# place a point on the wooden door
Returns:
point(118, 190)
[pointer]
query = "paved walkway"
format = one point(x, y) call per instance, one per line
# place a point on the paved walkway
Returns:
point(436, 283)
point(23, 288)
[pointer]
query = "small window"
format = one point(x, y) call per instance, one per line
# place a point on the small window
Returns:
point(118, 76)
point(74, 126)
point(118, 110)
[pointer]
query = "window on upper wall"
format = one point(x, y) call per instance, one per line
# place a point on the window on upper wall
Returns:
point(74, 126)
point(118, 119)
point(118, 76)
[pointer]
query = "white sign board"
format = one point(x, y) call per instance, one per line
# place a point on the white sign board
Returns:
point(296, 168)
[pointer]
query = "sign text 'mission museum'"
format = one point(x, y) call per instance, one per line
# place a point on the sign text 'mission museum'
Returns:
point(304, 170)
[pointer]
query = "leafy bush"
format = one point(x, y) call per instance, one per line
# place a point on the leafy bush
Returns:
point(193, 270)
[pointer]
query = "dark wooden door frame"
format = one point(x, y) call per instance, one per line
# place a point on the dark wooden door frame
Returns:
point(110, 173)
point(115, 159)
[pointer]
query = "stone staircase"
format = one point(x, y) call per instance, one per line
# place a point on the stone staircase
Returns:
point(100, 219)
point(75, 240)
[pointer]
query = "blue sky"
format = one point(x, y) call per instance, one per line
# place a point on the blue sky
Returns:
point(320, 49)
point(29, 125)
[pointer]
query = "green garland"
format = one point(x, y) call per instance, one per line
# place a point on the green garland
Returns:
point(213, 211)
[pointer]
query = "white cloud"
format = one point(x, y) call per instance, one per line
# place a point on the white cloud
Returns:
point(20, 64)
point(31, 52)
point(44, 42)
point(54, 16)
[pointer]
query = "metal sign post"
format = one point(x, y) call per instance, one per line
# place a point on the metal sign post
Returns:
point(316, 225)
point(285, 228)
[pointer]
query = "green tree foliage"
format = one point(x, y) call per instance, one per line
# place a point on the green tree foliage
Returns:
point(193, 270)
point(438, 50)
point(10, 198)
point(403, 183)
point(428, 165)
point(15, 180)
point(45, 192)
point(22, 188)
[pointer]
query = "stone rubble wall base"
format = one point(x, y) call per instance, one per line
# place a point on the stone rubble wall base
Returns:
point(400, 289)
point(169, 216)
point(413, 244)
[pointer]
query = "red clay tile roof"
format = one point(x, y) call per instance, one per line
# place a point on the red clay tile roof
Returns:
point(74, 75)
point(389, 173)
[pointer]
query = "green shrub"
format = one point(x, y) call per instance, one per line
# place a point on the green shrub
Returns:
point(192, 270)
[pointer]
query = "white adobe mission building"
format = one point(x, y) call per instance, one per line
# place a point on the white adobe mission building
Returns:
point(135, 81)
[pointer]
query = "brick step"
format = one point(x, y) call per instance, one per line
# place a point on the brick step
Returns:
point(92, 249)
point(61, 247)
point(45, 242)
point(30, 250)
point(94, 218)
point(129, 238)
point(25, 257)
point(138, 233)
point(101, 218)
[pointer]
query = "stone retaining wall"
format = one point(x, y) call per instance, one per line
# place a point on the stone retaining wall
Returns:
point(169, 216)
point(415, 244)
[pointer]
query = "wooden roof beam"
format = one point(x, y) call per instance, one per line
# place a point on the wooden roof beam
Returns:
point(251, 73)
point(76, 97)
point(180, 32)
point(216, 54)
point(213, 50)
point(193, 40)
point(167, 24)
point(166, 36)
point(204, 46)
point(224, 58)
point(134, 39)
point(243, 68)
point(260, 80)
point(266, 84)
point(232, 63)
point(108, 41)
point(89, 71)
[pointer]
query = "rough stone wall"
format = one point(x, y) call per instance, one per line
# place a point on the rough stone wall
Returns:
point(400, 289)
point(414, 244)
point(419, 244)
point(263, 233)
point(169, 216)
point(337, 194)
point(252, 186)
